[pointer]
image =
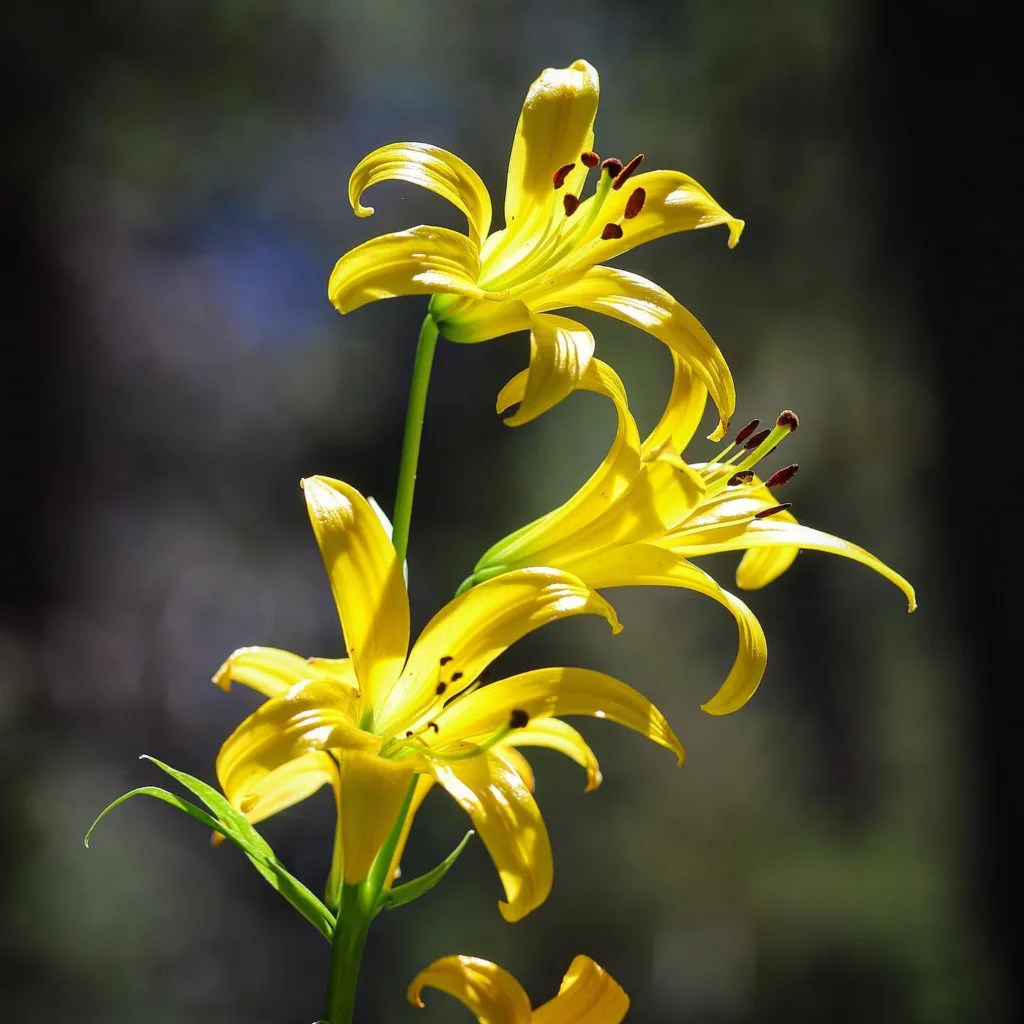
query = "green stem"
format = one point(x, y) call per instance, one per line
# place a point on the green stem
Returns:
point(413, 433)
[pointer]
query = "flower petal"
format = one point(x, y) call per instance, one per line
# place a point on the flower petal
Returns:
point(588, 995)
point(647, 565)
point(555, 692)
point(470, 631)
point(560, 352)
point(424, 784)
point(517, 762)
point(430, 167)
point(420, 261)
point(367, 582)
point(267, 670)
point(510, 824)
point(684, 411)
point(637, 301)
point(558, 735)
point(288, 784)
point(491, 994)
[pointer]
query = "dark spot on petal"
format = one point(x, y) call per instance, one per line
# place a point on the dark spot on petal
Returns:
point(519, 719)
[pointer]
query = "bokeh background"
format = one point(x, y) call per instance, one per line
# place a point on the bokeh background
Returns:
point(173, 200)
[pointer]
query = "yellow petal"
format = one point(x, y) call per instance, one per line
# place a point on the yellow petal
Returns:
point(508, 821)
point(588, 995)
point(465, 636)
point(683, 412)
point(424, 784)
point(560, 352)
point(557, 735)
point(491, 994)
point(637, 301)
point(420, 261)
point(266, 669)
point(608, 482)
point(646, 565)
point(430, 167)
point(288, 784)
point(468, 320)
point(371, 794)
point(366, 579)
point(555, 692)
point(517, 762)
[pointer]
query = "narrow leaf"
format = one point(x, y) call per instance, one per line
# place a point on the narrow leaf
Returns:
point(402, 894)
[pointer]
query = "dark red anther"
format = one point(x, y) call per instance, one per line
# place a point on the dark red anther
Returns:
point(635, 203)
point(620, 178)
point(561, 174)
point(519, 719)
point(440, 688)
point(613, 166)
point(765, 513)
point(434, 726)
point(571, 204)
point(757, 439)
point(611, 231)
point(781, 476)
point(746, 431)
point(590, 158)
point(743, 477)
point(446, 659)
point(788, 418)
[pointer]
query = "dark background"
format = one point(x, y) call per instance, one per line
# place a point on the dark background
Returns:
point(173, 198)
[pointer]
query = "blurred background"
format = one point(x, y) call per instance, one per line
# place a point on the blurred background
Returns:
point(174, 197)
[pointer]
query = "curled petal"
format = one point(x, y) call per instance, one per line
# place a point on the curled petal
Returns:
point(647, 565)
point(555, 692)
point(367, 582)
point(558, 735)
point(683, 412)
point(424, 784)
point(420, 261)
point(287, 785)
point(588, 995)
point(491, 994)
point(516, 761)
point(430, 167)
point(267, 670)
point(510, 825)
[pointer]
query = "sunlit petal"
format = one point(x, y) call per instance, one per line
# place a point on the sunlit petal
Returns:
point(424, 784)
point(683, 412)
point(516, 761)
point(266, 669)
point(557, 735)
point(430, 167)
point(491, 994)
point(588, 995)
point(288, 784)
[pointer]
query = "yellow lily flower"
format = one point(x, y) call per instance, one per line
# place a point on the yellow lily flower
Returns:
point(369, 723)
point(486, 284)
point(588, 994)
point(645, 513)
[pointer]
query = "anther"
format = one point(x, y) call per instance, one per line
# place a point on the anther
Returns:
point(620, 178)
point(589, 159)
point(456, 676)
point(519, 719)
point(408, 734)
point(757, 439)
point(635, 203)
point(571, 204)
point(765, 513)
point(434, 726)
point(446, 659)
point(781, 476)
point(441, 687)
point(788, 418)
point(613, 166)
point(746, 431)
point(743, 477)
point(561, 174)
point(611, 231)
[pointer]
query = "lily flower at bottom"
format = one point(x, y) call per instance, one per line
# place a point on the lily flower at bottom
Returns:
point(588, 994)
point(370, 724)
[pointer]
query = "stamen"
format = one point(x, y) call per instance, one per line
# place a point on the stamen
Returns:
point(446, 659)
point(441, 687)
point(741, 478)
point(626, 171)
point(434, 726)
point(789, 419)
point(746, 431)
point(589, 159)
point(613, 166)
point(611, 231)
point(519, 719)
point(635, 203)
point(781, 476)
point(456, 676)
point(561, 174)
point(408, 734)
point(571, 204)
point(757, 439)
point(765, 513)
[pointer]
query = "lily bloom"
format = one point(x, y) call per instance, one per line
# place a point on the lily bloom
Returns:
point(645, 513)
point(368, 724)
point(549, 254)
point(588, 993)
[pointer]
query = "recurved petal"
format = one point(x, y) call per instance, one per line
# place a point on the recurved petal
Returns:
point(507, 819)
point(558, 735)
point(517, 762)
point(560, 352)
point(491, 994)
point(683, 412)
point(555, 692)
point(420, 261)
point(430, 167)
point(470, 631)
point(647, 565)
point(266, 669)
point(424, 784)
point(637, 301)
point(588, 995)
point(286, 785)
point(367, 582)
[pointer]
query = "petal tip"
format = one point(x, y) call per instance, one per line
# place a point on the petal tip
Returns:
point(736, 227)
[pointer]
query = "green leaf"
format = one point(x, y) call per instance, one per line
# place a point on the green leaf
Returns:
point(259, 852)
point(402, 894)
